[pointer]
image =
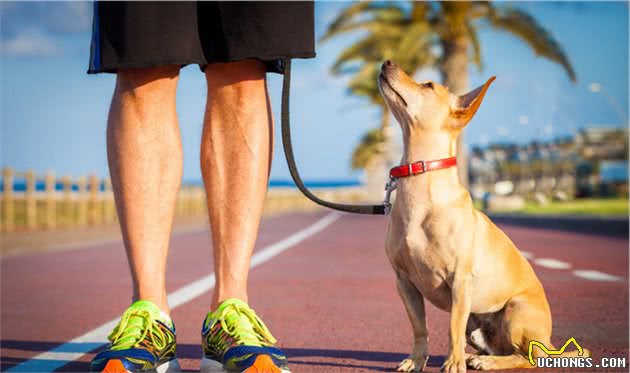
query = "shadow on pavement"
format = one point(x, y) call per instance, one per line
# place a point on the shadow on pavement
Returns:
point(371, 356)
point(383, 361)
point(388, 366)
point(15, 352)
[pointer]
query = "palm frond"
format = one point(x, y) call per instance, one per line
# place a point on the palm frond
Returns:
point(420, 11)
point(476, 45)
point(413, 50)
point(480, 9)
point(348, 14)
point(376, 26)
point(365, 83)
point(359, 12)
point(453, 19)
point(370, 48)
point(526, 28)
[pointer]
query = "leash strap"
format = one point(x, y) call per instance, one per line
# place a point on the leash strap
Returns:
point(382, 209)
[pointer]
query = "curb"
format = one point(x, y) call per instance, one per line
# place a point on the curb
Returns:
point(593, 225)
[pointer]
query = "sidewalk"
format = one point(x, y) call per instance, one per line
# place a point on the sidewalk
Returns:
point(594, 225)
point(278, 201)
point(23, 242)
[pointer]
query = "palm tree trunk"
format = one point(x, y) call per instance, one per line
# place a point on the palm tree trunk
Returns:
point(376, 171)
point(454, 71)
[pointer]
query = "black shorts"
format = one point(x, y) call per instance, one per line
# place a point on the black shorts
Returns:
point(146, 34)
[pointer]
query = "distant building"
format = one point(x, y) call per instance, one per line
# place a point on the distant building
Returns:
point(600, 143)
point(603, 165)
point(593, 162)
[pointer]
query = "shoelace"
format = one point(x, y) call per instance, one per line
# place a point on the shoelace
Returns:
point(133, 328)
point(231, 324)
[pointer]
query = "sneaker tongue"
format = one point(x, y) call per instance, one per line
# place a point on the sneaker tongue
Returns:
point(152, 309)
point(229, 302)
point(242, 320)
point(245, 326)
point(146, 305)
point(236, 317)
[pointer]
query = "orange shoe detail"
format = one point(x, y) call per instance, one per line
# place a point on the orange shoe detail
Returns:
point(263, 364)
point(114, 366)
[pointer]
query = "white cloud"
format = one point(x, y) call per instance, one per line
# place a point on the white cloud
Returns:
point(29, 43)
point(38, 29)
point(50, 17)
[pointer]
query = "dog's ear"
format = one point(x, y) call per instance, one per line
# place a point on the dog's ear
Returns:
point(464, 107)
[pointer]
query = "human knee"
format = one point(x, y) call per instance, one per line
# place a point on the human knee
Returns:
point(147, 83)
point(242, 77)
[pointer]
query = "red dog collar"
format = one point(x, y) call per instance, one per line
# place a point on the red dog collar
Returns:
point(421, 167)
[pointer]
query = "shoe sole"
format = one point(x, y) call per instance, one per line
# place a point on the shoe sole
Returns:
point(263, 364)
point(116, 366)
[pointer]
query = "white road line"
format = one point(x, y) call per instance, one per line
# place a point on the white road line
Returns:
point(527, 254)
point(593, 275)
point(552, 263)
point(77, 347)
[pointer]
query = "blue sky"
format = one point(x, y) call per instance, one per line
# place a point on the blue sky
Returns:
point(53, 115)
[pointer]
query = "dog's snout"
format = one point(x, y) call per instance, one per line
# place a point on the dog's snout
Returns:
point(387, 64)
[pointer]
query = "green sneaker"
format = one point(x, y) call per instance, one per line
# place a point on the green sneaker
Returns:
point(234, 339)
point(143, 340)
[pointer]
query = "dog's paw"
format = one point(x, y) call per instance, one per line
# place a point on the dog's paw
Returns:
point(483, 362)
point(474, 362)
point(454, 364)
point(412, 364)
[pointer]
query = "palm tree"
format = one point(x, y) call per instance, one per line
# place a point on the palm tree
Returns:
point(372, 145)
point(392, 34)
point(444, 34)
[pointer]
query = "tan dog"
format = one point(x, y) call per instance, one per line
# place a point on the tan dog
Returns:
point(444, 250)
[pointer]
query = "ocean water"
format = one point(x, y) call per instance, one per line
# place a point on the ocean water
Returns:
point(19, 184)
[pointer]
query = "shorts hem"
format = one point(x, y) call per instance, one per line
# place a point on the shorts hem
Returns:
point(112, 68)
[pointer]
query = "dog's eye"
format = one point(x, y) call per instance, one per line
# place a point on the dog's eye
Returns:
point(427, 85)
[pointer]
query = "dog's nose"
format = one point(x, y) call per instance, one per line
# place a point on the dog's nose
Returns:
point(388, 65)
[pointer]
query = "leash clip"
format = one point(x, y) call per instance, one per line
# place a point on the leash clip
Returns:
point(390, 186)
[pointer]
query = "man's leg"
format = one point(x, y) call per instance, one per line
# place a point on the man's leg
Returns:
point(235, 160)
point(145, 162)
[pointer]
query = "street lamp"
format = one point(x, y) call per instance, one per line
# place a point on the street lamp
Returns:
point(595, 87)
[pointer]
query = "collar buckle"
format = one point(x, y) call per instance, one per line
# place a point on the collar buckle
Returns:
point(423, 167)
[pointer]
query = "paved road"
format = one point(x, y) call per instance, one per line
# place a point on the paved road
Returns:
point(321, 282)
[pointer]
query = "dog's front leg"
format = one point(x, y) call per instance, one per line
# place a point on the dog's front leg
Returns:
point(414, 305)
point(461, 297)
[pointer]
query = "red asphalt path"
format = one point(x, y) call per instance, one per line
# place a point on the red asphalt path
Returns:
point(330, 300)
